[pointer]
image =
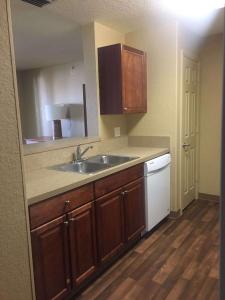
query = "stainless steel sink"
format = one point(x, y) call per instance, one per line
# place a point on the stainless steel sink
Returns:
point(93, 164)
point(111, 159)
point(85, 167)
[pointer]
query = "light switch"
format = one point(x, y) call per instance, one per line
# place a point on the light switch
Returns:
point(116, 131)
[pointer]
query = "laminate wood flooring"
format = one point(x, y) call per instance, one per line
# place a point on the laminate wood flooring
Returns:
point(178, 261)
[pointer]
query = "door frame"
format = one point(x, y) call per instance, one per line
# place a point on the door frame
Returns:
point(192, 57)
point(222, 191)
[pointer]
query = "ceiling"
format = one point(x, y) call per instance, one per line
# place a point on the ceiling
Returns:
point(50, 35)
point(42, 38)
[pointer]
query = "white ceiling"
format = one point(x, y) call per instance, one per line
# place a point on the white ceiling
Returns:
point(50, 35)
point(42, 38)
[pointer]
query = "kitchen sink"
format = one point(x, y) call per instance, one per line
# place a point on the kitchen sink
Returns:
point(85, 167)
point(111, 159)
point(93, 164)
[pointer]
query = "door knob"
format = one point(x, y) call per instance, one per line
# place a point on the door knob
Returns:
point(186, 146)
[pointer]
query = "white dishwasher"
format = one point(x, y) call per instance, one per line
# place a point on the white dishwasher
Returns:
point(157, 190)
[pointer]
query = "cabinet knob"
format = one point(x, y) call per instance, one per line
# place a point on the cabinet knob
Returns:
point(67, 202)
point(125, 108)
point(66, 223)
point(124, 193)
point(72, 220)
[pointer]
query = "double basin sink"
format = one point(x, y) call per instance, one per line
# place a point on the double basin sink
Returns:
point(94, 164)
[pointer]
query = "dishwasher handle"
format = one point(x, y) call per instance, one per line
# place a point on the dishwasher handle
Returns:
point(158, 170)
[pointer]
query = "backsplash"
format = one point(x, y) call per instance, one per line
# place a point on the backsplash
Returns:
point(45, 159)
point(35, 161)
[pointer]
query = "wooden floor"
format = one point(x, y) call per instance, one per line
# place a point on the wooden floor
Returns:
point(178, 261)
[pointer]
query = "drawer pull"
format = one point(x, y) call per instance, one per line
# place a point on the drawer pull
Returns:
point(67, 202)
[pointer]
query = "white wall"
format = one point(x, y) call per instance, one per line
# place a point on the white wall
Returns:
point(59, 84)
point(211, 58)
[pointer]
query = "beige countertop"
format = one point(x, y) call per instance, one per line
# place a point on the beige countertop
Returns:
point(45, 183)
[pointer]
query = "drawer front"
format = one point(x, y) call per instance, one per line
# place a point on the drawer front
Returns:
point(115, 181)
point(54, 207)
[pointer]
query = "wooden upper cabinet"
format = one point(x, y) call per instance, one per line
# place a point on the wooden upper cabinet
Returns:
point(51, 260)
point(82, 243)
point(122, 80)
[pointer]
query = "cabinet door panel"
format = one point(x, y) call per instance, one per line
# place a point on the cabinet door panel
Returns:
point(134, 80)
point(134, 207)
point(110, 225)
point(82, 243)
point(110, 79)
point(51, 260)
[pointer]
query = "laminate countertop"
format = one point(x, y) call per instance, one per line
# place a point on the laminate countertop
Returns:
point(44, 183)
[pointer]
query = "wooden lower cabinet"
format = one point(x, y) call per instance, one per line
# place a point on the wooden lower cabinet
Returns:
point(110, 225)
point(51, 260)
point(71, 248)
point(82, 243)
point(134, 208)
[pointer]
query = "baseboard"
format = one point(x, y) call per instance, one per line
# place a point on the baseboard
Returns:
point(175, 214)
point(209, 197)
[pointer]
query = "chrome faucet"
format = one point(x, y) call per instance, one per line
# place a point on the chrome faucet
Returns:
point(79, 154)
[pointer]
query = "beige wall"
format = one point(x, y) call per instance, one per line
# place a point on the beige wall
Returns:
point(106, 36)
point(211, 59)
point(158, 39)
point(15, 282)
point(90, 74)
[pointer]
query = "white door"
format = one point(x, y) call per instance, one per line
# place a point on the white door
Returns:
point(188, 135)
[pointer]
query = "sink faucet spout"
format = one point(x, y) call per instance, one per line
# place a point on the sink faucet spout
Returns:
point(79, 154)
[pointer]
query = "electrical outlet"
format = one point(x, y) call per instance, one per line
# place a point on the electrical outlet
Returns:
point(116, 131)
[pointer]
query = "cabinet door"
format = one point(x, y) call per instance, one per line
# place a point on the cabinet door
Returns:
point(110, 79)
point(82, 243)
point(134, 207)
point(134, 80)
point(110, 225)
point(51, 260)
